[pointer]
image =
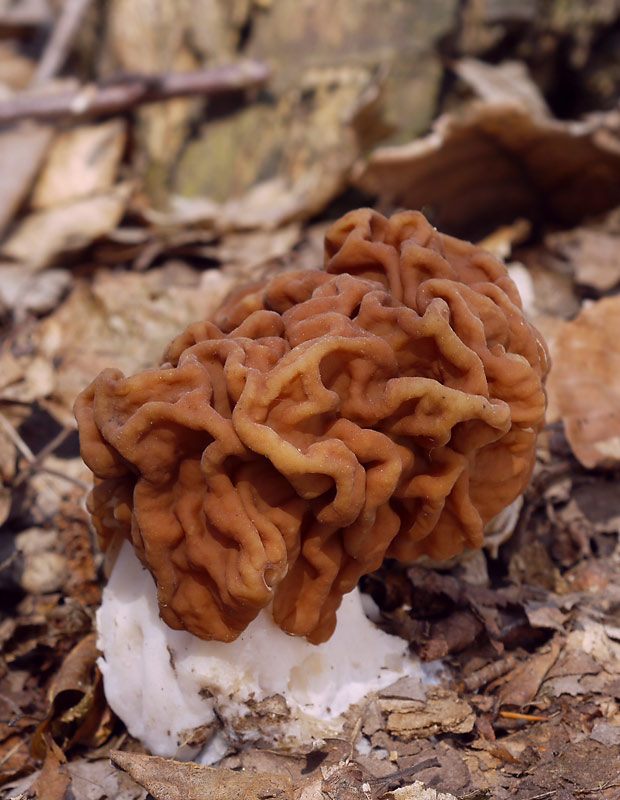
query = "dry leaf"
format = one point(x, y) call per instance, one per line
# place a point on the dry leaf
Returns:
point(22, 149)
point(532, 164)
point(25, 380)
point(166, 779)
point(15, 757)
point(298, 164)
point(44, 569)
point(501, 83)
point(524, 681)
point(584, 383)
point(595, 641)
point(592, 253)
point(46, 234)
point(81, 162)
point(54, 779)
point(605, 733)
point(541, 615)
point(149, 37)
point(418, 791)
point(442, 712)
point(121, 319)
point(8, 460)
point(408, 688)
point(21, 291)
point(71, 695)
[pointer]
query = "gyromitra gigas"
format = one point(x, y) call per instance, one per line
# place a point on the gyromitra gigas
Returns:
point(387, 405)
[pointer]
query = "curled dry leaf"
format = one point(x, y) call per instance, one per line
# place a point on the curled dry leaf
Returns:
point(77, 710)
point(532, 164)
point(585, 382)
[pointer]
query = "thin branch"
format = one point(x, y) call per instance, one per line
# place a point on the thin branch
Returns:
point(54, 444)
point(95, 100)
point(59, 44)
point(35, 463)
point(31, 469)
point(17, 440)
point(8, 562)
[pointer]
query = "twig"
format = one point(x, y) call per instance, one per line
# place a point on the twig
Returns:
point(11, 752)
point(488, 673)
point(525, 717)
point(59, 43)
point(17, 440)
point(95, 100)
point(56, 473)
point(35, 463)
point(381, 786)
point(54, 444)
point(7, 563)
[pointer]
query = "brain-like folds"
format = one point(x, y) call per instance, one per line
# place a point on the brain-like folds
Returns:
point(387, 405)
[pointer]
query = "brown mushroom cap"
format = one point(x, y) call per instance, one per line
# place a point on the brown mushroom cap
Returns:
point(387, 406)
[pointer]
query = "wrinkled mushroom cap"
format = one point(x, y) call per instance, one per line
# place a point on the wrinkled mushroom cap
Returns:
point(385, 406)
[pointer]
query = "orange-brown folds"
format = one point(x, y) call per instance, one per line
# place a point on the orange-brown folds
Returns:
point(387, 404)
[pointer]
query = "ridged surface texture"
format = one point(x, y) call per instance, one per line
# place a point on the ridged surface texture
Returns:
point(387, 405)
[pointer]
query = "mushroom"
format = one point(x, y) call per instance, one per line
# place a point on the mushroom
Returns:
point(385, 406)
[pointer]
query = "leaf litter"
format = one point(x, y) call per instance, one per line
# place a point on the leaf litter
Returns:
point(120, 231)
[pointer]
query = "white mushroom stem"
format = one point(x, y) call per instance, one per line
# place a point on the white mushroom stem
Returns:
point(184, 697)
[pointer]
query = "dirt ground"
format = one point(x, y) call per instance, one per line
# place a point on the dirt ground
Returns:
point(156, 153)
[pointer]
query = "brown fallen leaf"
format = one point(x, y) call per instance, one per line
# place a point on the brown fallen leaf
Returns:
point(54, 779)
point(166, 779)
point(534, 166)
point(15, 757)
point(524, 681)
point(75, 698)
point(584, 383)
